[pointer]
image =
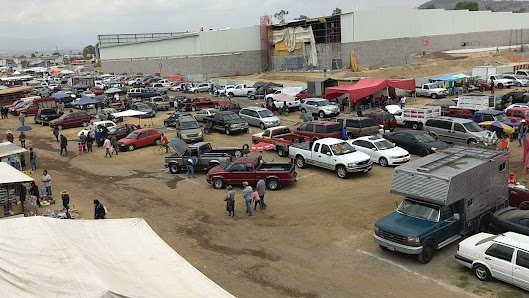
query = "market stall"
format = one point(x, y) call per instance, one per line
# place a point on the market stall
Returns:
point(10, 152)
point(130, 113)
point(14, 190)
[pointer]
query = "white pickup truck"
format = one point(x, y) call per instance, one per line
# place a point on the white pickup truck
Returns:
point(239, 90)
point(501, 82)
point(430, 90)
point(416, 117)
point(222, 91)
point(333, 154)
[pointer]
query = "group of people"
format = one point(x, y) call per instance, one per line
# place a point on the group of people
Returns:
point(249, 195)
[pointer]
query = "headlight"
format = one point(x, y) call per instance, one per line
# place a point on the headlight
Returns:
point(414, 240)
point(433, 148)
point(184, 136)
point(377, 231)
point(232, 125)
point(200, 134)
point(352, 164)
point(395, 157)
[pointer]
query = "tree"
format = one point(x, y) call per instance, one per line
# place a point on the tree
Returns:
point(336, 11)
point(472, 6)
point(280, 16)
point(89, 50)
point(431, 6)
point(22, 57)
point(10, 61)
point(33, 55)
point(302, 17)
point(56, 54)
point(488, 7)
point(24, 63)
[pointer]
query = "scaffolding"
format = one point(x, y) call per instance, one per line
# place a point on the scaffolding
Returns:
point(325, 29)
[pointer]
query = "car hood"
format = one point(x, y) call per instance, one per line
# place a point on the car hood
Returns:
point(356, 156)
point(126, 141)
point(271, 119)
point(217, 170)
point(397, 151)
point(179, 146)
point(436, 144)
point(236, 121)
point(404, 225)
point(190, 131)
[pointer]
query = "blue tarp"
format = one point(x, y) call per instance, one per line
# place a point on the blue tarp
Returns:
point(447, 78)
point(40, 64)
point(84, 101)
point(12, 65)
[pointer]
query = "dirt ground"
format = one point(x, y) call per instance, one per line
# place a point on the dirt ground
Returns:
point(313, 240)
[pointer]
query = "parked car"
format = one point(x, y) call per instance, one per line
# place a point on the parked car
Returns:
point(429, 90)
point(194, 104)
point(518, 113)
point(118, 106)
point(504, 257)
point(44, 116)
point(381, 151)
point(121, 131)
point(493, 115)
point(417, 142)
point(88, 93)
point(518, 196)
point(204, 87)
point(304, 94)
point(97, 90)
point(281, 136)
point(510, 219)
point(455, 130)
point(140, 138)
point(258, 116)
point(518, 96)
point(518, 80)
point(98, 125)
point(200, 115)
point(500, 81)
point(243, 169)
point(226, 105)
point(159, 87)
point(315, 130)
point(142, 107)
point(188, 130)
point(171, 121)
point(142, 93)
point(320, 107)
point(358, 126)
point(32, 107)
point(74, 119)
point(387, 120)
point(159, 102)
point(222, 91)
point(178, 98)
point(227, 122)
point(239, 90)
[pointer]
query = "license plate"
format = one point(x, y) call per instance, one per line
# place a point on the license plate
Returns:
point(390, 248)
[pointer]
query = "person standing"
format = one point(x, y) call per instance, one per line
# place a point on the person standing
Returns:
point(230, 201)
point(492, 86)
point(46, 179)
point(116, 97)
point(82, 138)
point(33, 159)
point(114, 142)
point(64, 144)
point(247, 194)
point(10, 137)
point(89, 141)
point(99, 210)
point(402, 102)
point(98, 137)
point(66, 202)
point(274, 107)
point(61, 107)
point(107, 145)
point(190, 165)
point(261, 190)
point(522, 133)
point(505, 142)
point(56, 133)
point(22, 139)
point(22, 118)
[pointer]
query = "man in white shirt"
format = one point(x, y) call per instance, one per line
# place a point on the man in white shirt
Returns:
point(46, 178)
point(116, 97)
point(402, 102)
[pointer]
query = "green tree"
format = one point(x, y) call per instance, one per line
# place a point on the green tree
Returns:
point(302, 17)
point(280, 16)
point(472, 6)
point(24, 63)
point(336, 11)
point(33, 55)
point(56, 54)
point(10, 61)
point(431, 6)
point(22, 57)
point(89, 50)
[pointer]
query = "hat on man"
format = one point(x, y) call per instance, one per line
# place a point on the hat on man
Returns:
point(64, 192)
point(230, 187)
point(8, 131)
point(245, 183)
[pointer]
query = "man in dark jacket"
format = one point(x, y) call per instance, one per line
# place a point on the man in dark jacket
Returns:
point(99, 210)
point(114, 142)
point(56, 133)
point(64, 145)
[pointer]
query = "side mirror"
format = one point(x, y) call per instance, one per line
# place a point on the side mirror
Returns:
point(457, 217)
point(328, 153)
point(374, 149)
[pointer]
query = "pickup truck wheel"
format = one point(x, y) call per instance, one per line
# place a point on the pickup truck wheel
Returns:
point(281, 151)
point(383, 162)
point(231, 94)
point(174, 168)
point(321, 114)
point(131, 147)
point(472, 142)
point(196, 91)
point(481, 88)
point(416, 126)
point(218, 183)
point(272, 184)
point(423, 152)
point(300, 161)
point(193, 108)
point(481, 272)
point(227, 130)
point(427, 253)
point(500, 86)
point(262, 126)
point(434, 95)
point(59, 127)
point(341, 171)
point(252, 97)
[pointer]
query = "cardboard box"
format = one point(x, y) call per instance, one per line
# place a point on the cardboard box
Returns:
point(18, 209)
point(2, 211)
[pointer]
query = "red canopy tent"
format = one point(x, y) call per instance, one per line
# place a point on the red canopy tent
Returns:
point(366, 87)
point(175, 78)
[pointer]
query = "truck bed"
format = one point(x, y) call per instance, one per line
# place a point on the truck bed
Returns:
point(276, 167)
point(302, 146)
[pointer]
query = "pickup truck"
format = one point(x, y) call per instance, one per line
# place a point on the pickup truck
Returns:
point(206, 156)
point(247, 169)
point(492, 115)
point(414, 117)
point(500, 81)
point(239, 90)
point(429, 90)
point(440, 205)
point(142, 93)
point(228, 122)
point(161, 102)
point(333, 154)
point(281, 136)
point(194, 104)
point(222, 91)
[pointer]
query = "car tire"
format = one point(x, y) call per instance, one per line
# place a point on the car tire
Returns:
point(426, 254)
point(416, 126)
point(231, 94)
point(196, 91)
point(216, 106)
point(500, 86)
point(321, 114)
point(482, 89)
point(193, 108)
point(518, 84)
point(481, 272)
point(174, 168)
point(341, 171)
point(227, 131)
point(383, 162)
point(303, 110)
point(85, 124)
point(423, 152)
point(165, 124)
point(131, 147)
point(300, 162)
point(157, 142)
point(472, 141)
point(272, 184)
point(412, 94)
point(59, 127)
point(281, 151)
point(262, 126)
point(252, 97)
point(434, 95)
point(218, 183)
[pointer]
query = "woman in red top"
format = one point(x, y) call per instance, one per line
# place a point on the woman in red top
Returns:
point(165, 142)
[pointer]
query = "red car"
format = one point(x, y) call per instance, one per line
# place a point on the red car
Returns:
point(32, 107)
point(385, 119)
point(194, 104)
point(518, 195)
point(304, 94)
point(71, 120)
point(518, 113)
point(226, 105)
point(315, 130)
point(482, 85)
point(150, 81)
point(140, 138)
point(97, 90)
point(118, 106)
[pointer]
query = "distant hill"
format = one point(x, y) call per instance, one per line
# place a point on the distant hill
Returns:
point(498, 5)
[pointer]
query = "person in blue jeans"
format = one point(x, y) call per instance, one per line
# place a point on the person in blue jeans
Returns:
point(46, 179)
point(522, 133)
point(190, 165)
point(247, 194)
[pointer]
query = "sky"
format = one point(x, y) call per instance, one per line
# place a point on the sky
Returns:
point(27, 26)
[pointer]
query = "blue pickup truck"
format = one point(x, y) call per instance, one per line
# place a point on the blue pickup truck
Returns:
point(447, 194)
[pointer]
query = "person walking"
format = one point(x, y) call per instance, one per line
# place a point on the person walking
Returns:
point(230, 201)
point(261, 190)
point(164, 142)
point(107, 145)
point(98, 138)
point(10, 137)
point(247, 194)
point(89, 142)
point(66, 202)
point(492, 86)
point(190, 165)
point(33, 159)
point(46, 179)
point(82, 138)
point(64, 144)
point(257, 200)
point(22, 139)
point(99, 210)
point(522, 133)
point(114, 142)
point(56, 133)
point(22, 118)
point(402, 102)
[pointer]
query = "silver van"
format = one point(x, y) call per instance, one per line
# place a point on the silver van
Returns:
point(188, 129)
point(261, 117)
point(454, 130)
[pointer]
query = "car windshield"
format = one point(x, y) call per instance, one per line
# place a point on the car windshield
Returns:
point(384, 144)
point(386, 117)
point(498, 77)
point(500, 117)
point(230, 117)
point(142, 106)
point(472, 127)
point(132, 135)
point(63, 116)
point(189, 125)
point(323, 103)
point(266, 113)
point(420, 210)
point(113, 129)
point(424, 138)
point(342, 148)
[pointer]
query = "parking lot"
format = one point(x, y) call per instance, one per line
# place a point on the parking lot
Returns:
point(313, 240)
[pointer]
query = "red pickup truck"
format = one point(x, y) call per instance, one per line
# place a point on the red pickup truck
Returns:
point(518, 196)
point(194, 104)
point(248, 169)
point(281, 136)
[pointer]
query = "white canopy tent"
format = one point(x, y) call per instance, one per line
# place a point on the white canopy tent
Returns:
point(9, 175)
point(131, 113)
point(8, 148)
point(94, 258)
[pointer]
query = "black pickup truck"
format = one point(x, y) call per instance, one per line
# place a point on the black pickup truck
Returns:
point(206, 156)
point(227, 122)
point(44, 116)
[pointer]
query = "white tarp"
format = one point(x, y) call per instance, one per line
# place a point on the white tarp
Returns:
point(8, 174)
point(8, 148)
point(128, 113)
point(49, 257)
point(293, 35)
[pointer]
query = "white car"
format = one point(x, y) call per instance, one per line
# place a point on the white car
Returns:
point(519, 81)
point(381, 150)
point(222, 91)
point(517, 105)
point(88, 93)
point(134, 81)
point(504, 257)
point(98, 124)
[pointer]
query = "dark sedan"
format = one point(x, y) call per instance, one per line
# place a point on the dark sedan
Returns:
point(415, 141)
point(510, 219)
point(171, 121)
point(142, 107)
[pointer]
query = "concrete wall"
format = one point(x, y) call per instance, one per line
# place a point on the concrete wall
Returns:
point(399, 22)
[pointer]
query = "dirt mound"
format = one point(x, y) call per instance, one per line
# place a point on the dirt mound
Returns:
point(437, 55)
